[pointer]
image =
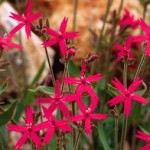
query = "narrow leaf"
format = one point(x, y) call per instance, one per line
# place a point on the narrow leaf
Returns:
point(3, 87)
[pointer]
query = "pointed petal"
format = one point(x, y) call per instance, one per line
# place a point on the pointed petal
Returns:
point(98, 116)
point(81, 105)
point(16, 17)
point(52, 108)
point(29, 115)
point(52, 32)
point(62, 46)
point(63, 125)
point(145, 147)
point(88, 126)
point(118, 85)
point(118, 46)
point(13, 45)
point(65, 128)
point(93, 78)
point(36, 139)
point(71, 35)
point(142, 134)
point(134, 85)
point(140, 38)
point(144, 26)
point(49, 135)
point(40, 126)
point(44, 100)
point(127, 107)
point(70, 97)
point(116, 100)
point(57, 89)
point(22, 140)
point(34, 17)
point(71, 80)
point(139, 99)
point(50, 42)
point(28, 30)
point(16, 128)
point(78, 118)
point(147, 51)
point(29, 8)
point(63, 25)
point(64, 109)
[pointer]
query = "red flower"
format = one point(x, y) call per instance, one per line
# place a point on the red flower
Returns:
point(26, 19)
point(86, 116)
point(58, 100)
point(5, 42)
point(145, 37)
point(53, 125)
point(126, 95)
point(28, 130)
point(84, 83)
point(145, 137)
point(60, 37)
point(124, 51)
point(128, 20)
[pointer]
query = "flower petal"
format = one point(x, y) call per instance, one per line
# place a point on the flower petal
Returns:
point(64, 109)
point(29, 8)
point(127, 107)
point(50, 42)
point(40, 126)
point(145, 147)
point(144, 26)
point(78, 118)
point(34, 17)
point(16, 128)
point(62, 46)
point(93, 78)
point(116, 100)
point(36, 139)
point(147, 51)
point(118, 46)
point(88, 126)
point(52, 32)
point(140, 38)
point(44, 100)
point(28, 30)
point(70, 35)
point(29, 115)
point(63, 25)
point(57, 89)
point(139, 99)
point(17, 17)
point(98, 116)
point(22, 140)
point(71, 80)
point(13, 45)
point(49, 135)
point(134, 85)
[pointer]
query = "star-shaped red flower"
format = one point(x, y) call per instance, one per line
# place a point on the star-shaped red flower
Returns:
point(126, 95)
point(29, 130)
point(26, 19)
point(60, 37)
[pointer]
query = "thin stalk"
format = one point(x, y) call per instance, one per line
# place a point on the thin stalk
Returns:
point(120, 7)
point(50, 67)
point(75, 14)
point(125, 119)
point(124, 131)
point(140, 66)
point(101, 33)
point(77, 140)
point(116, 133)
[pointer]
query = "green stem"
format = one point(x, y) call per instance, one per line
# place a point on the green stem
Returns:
point(120, 7)
point(50, 66)
point(124, 131)
point(125, 72)
point(75, 14)
point(116, 133)
point(140, 66)
point(101, 33)
point(77, 140)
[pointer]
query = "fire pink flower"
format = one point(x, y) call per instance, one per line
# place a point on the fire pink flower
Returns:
point(53, 124)
point(28, 130)
point(145, 137)
point(26, 19)
point(86, 116)
point(145, 37)
point(128, 20)
point(60, 37)
point(126, 95)
point(124, 51)
point(84, 83)
point(5, 42)
point(58, 100)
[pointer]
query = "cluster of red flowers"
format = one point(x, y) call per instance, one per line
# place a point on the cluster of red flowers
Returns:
point(60, 100)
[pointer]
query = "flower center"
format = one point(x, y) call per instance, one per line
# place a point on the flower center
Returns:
point(87, 112)
point(29, 127)
point(127, 94)
point(60, 35)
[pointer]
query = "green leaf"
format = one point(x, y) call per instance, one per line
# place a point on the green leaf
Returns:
point(3, 87)
point(30, 96)
point(102, 137)
point(112, 90)
point(43, 89)
point(8, 114)
point(73, 69)
point(142, 129)
point(142, 92)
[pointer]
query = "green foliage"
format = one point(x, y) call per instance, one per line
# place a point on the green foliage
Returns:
point(3, 87)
